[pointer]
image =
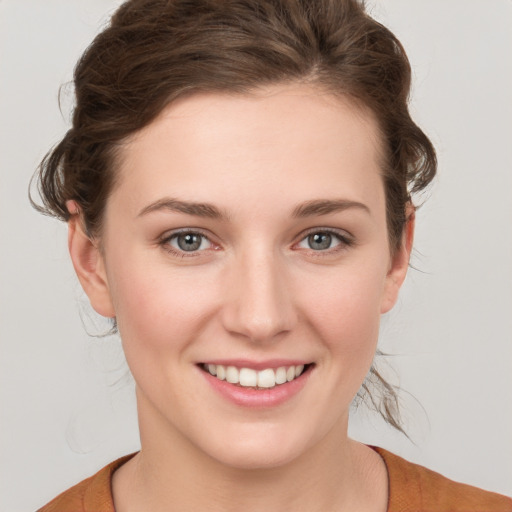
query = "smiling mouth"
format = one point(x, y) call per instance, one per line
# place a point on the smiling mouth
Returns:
point(249, 378)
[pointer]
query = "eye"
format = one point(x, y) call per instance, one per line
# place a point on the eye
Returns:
point(323, 241)
point(188, 241)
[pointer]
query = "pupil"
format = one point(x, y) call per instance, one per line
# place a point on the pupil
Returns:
point(320, 241)
point(189, 242)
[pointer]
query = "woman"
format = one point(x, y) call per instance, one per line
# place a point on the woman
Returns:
point(238, 188)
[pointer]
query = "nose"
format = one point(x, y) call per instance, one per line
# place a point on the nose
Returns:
point(259, 306)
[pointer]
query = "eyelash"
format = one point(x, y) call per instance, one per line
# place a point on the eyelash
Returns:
point(165, 242)
point(345, 241)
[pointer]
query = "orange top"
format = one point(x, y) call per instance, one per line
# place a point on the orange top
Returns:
point(412, 488)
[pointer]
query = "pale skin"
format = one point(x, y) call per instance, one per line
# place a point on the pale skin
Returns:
point(254, 177)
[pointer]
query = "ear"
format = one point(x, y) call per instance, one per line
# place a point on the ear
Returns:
point(399, 263)
point(89, 264)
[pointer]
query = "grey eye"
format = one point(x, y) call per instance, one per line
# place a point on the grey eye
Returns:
point(189, 242)
point(320, 241)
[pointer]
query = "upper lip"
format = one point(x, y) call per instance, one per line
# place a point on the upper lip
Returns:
point(257, 365)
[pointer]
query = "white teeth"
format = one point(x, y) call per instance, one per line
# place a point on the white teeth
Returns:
point(221, 372)
point(232, 375)
point(248, 377)
point(266, 378)
point(281, 375)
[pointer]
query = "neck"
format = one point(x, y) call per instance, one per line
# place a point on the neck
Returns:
point(172, 473)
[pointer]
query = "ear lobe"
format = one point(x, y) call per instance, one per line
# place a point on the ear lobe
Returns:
point(399, 263)
point(89, 267)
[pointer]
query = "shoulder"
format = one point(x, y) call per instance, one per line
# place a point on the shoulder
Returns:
point(416, 488)
point(94, 494)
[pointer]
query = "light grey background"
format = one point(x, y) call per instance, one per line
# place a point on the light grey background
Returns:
point(66, 402)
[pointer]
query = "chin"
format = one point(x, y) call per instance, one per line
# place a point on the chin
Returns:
point(254, 457)
point(260, 450)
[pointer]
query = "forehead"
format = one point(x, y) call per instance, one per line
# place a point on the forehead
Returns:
point(288, 141)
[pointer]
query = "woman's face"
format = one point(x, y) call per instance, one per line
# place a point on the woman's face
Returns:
point(247, 232)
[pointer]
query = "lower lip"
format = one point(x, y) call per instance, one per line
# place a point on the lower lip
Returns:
point(258, 398)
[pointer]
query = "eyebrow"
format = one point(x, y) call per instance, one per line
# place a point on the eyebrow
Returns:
point(326, 206)
point(207, 210)
point(190, 208)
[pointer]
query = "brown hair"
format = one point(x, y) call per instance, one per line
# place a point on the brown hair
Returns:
point(155, 51)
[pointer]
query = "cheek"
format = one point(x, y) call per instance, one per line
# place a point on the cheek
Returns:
point(157, 309)
point(160, 316)
point(345, 312)
point(344, 298)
